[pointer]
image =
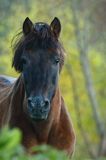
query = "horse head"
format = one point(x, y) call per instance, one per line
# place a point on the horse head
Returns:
point(39, 57)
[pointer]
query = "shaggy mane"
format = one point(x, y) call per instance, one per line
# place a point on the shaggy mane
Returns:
point(36, 39)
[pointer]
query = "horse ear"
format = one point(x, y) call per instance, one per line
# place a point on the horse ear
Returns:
point(27, 26)
point(56, 27)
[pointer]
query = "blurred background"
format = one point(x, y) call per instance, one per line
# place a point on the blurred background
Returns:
point(83, 78)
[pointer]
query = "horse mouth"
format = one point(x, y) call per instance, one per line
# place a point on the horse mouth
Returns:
point(38, 116)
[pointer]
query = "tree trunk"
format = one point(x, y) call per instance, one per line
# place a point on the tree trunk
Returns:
point(82, 45)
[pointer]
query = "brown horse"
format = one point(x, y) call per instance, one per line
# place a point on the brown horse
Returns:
point(33, 102)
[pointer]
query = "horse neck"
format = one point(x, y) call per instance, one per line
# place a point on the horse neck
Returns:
point(19, 118)
point(17, 98)
point(10, 101)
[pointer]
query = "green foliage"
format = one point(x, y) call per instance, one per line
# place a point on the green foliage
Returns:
point(10, 148)
point(9, 144)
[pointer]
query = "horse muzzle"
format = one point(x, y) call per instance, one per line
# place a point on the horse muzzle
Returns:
point(38, 108)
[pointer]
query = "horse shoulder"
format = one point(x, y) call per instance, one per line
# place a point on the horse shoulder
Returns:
point(63, 135)
point(5, 98)
point(4, 104)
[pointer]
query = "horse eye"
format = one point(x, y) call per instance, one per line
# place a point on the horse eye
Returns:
point(57, 60)
point(24, 61)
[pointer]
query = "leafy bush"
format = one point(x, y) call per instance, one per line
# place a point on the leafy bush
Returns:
point(10, 148)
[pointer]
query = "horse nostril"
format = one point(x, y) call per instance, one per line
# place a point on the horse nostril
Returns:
point(46, 103)
point(30, 103)
point(29, 100)
point(38, 103)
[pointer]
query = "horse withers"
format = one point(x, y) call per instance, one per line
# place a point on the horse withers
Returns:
point(33, 102)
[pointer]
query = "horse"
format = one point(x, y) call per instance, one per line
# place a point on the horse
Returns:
point(33, 101)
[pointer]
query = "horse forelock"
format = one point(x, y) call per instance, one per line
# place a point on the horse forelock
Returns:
point(43, 30)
